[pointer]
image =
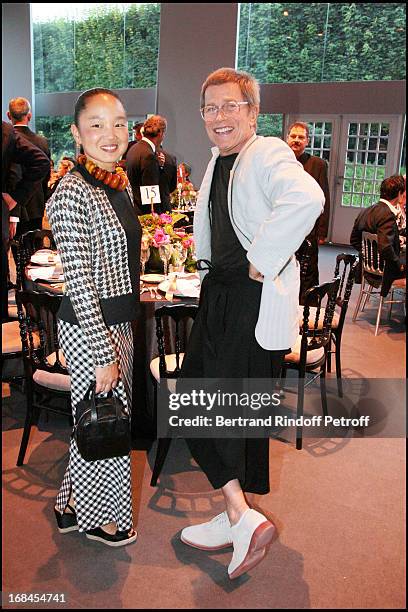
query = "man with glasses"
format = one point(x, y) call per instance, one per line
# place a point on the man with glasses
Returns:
point(255, 207)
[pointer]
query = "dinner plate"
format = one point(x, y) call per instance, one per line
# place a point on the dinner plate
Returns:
point(45, 257)
point(184, 288)
point(152, 278)
point(44, 274)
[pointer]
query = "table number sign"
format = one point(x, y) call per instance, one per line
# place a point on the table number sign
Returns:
point(150, 195)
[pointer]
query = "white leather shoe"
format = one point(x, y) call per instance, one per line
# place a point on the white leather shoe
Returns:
point(213, 535)
point(250, 538)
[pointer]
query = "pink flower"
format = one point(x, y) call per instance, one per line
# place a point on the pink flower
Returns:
point(187, 242)
point(166, 218)
point(180, 233)
point(160, 237)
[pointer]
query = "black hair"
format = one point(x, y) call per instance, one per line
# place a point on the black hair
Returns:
point(80, 104)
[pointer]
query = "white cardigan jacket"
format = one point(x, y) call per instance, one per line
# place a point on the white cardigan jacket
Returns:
point(273, 205)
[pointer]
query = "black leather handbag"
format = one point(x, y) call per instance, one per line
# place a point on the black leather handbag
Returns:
point(102, 426)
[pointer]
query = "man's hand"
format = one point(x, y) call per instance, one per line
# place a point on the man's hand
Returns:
point(255, 274)
point(9, 201)
point(12, 229)
point(106, 378)
point(161, 159)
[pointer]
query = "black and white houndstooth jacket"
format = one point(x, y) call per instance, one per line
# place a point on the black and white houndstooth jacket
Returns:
point(93, 249)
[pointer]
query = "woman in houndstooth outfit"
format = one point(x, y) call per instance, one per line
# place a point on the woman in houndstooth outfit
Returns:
point(98, 234)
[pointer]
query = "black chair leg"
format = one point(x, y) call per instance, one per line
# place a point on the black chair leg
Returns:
point(299, 413)
point(26, 431)
point(329, 354)
point(338, 370)
point(323, 390)
point(162, 451)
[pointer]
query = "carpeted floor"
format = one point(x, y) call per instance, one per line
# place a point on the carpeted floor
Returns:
point(338, 506)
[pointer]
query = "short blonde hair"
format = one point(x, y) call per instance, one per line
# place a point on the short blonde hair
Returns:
point(247, 83)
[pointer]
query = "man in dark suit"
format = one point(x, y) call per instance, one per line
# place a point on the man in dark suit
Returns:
point(32, 213)
point(35, 165)
point(381, 219)
point(168, 176)
point(137, 133)
point(298, 139)
point(146, 165)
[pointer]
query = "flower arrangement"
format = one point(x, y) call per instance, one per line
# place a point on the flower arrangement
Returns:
point(184, 195)
point(159, 231)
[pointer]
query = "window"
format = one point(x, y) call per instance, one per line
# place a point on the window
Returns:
point(270, 125)
point(80, 46)
point(366, 158)
point(301, 42)
point(57, 130)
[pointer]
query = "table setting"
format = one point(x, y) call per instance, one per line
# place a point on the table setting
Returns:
point(45, 266)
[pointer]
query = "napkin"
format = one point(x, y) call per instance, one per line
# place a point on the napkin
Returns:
point(188, 287)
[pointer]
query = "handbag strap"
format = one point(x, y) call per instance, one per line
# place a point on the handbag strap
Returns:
point(91, 395)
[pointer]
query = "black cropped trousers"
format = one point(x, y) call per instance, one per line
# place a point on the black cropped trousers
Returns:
point(222, 344)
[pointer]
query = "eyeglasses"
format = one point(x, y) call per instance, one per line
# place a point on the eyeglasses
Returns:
point(210, 112)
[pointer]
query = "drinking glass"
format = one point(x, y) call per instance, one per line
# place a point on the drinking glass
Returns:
point(179, 255)
point(144, 257)
point(165, 253)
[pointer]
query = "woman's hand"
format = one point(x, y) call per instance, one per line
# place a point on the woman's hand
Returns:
point(106, 378)
point(255, 274)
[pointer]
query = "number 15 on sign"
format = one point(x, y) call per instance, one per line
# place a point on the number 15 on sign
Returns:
point(150, 193)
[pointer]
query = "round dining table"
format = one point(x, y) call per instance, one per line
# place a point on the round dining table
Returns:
point(145, 349)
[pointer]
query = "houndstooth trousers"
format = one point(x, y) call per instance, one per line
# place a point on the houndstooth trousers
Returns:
point(101, 489)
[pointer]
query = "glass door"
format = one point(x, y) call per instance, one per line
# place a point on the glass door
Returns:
point(324, 134)
point(370, 148)
point(361, 151)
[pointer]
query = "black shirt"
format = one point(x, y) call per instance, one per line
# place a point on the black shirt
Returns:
point(122, 308)
point(226, 250)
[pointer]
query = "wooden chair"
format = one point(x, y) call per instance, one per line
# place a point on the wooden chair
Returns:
point(309, 355)
point(346, 265)
point(47, 378)
point(372, 278)
point(168, 365)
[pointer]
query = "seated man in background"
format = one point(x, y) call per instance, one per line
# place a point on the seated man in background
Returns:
point(381, 219)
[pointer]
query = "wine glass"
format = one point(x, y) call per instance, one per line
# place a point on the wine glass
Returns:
point(144, 256)
point(165, 253)
point(179, 255)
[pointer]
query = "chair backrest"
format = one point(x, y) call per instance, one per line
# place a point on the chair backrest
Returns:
point(39, 316)
point(346, 265)
point(303, 255)
point(28, 244)
point(323, 297)
point(372, 261)
point(176, 313)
